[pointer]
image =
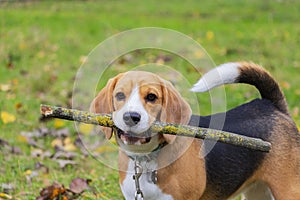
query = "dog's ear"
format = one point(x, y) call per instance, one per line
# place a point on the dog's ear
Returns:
point(103, 102)
point(175, 109)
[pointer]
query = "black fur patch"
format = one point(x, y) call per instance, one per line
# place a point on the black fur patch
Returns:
point(228, 166)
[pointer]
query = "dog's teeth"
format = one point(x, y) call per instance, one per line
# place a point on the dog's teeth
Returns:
point(130, 138)
point(123, 138)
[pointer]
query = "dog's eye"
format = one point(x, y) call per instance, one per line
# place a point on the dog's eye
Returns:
point(120, 96)
point(151, 97)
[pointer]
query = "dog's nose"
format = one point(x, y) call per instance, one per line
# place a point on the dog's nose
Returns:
point(131, 118)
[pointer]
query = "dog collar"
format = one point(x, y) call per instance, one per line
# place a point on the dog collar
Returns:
point(147, 157)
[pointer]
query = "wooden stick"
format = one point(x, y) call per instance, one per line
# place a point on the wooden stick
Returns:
point(159, 127)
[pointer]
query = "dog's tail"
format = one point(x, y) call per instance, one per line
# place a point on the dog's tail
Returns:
point(244, 72)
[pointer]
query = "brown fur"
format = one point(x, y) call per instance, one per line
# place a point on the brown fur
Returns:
point(280, 169)
point(185, 178)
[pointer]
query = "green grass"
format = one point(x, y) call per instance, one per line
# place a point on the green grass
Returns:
point(44, 42)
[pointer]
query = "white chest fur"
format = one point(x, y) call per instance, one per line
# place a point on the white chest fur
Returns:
point(150, 190)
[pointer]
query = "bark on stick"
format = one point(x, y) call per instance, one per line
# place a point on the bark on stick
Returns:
point(105, 120)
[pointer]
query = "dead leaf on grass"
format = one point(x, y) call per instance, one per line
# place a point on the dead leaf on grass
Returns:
point(57, 142)
point(285, 85)
point(29, 141)
point(64, 132)
point(64, 163)
point(78, 185)
point(58, 123)
point(39, 153)
point(5, 196)
point(53, 192)
point(85, 129)
point(15, 150)
point(5, 87)
point(34, 133)
point(79, 144)
point(43, 132)
point(210, 35)
point(8, 148)
point(41, 167)
point(30, 174)
point(7, 187)
point(64, 155)
point(7, 117)
point(18, 106)
point(3, 143)
point(69, 145)
point(57, 191)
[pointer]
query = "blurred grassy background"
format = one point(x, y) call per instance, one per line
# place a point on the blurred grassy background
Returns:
point(42, 44)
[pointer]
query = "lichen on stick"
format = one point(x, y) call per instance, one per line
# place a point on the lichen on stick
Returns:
point(105, 120)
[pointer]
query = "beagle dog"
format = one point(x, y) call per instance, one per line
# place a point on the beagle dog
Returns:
point(157, 166)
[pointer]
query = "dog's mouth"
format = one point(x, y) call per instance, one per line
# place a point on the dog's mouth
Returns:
point(130, 138)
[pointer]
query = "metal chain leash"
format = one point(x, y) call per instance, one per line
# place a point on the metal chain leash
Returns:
point(138, 170)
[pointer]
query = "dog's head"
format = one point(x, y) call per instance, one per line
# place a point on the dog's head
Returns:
point(136, 99)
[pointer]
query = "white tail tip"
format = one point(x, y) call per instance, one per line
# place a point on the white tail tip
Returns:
point(224, 74)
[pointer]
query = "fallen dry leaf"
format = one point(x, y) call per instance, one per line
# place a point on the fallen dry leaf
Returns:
point(53, 192)
point(85, 129)
point(285, 85)
point(210, 35)
point(18, 106)
point(7, 187)
point(5, 87)
point(15, 150)
point(79, 143)
point(5, 196)
point(3, 142)
point(29, 141)
point(7, 117)
point(41, 167)
point(68, 145)
point(58, 123)
point(35, 153)
point(64, 163)
point(34, 133)
point(43, 131)
point(59, 192)
point(29, 174)
point(64, 155)
point(57, 142)
point(78, 185)
point(5, 146)
point(64, 132)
